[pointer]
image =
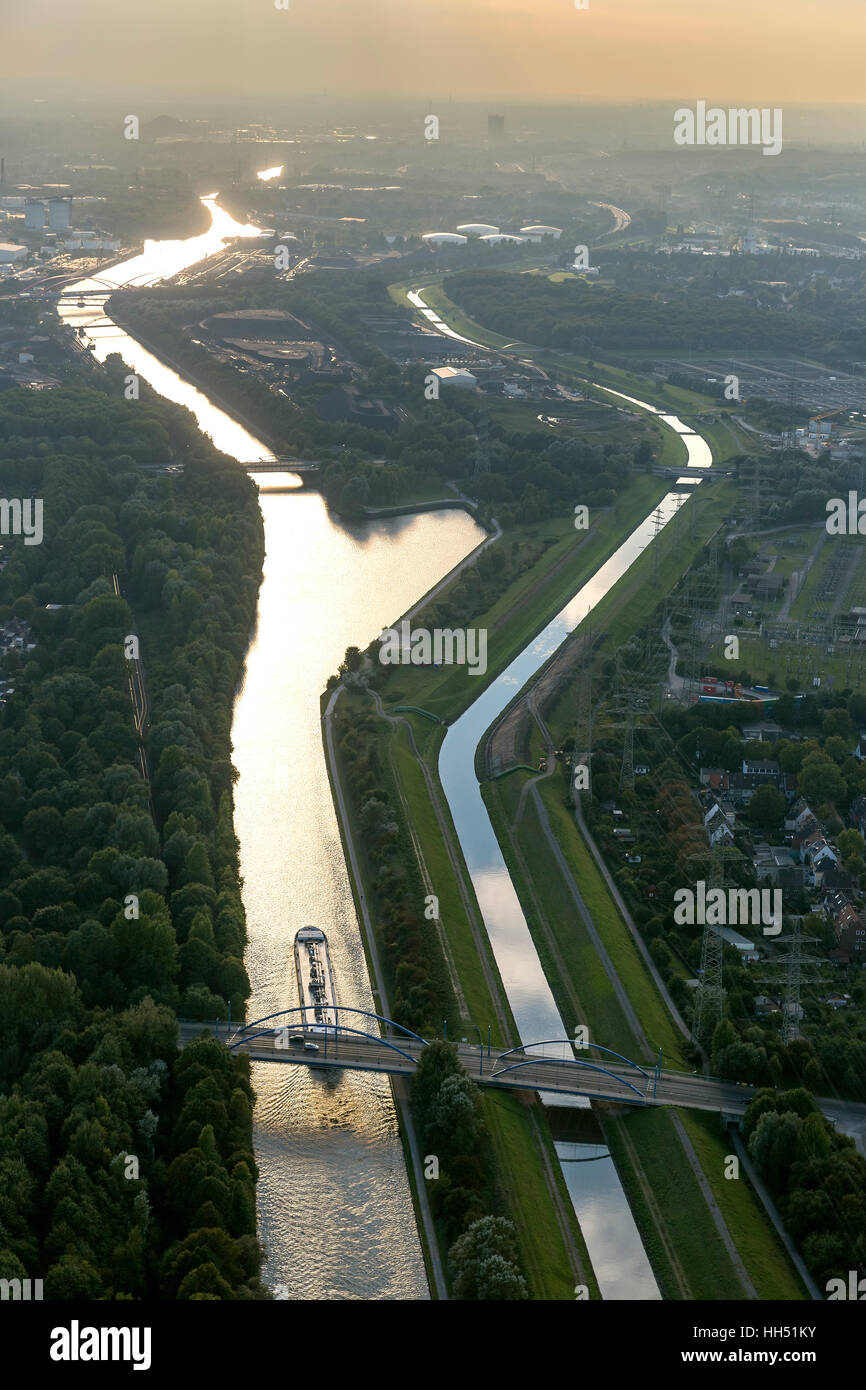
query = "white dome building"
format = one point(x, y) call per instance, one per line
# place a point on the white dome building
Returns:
point(538, 232)
point(444, 239)
point(498, 237)
point(479, 229)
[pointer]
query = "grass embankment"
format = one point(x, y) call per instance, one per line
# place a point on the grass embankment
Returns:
point(579, 982)
point(687, 1253)
point(529, 603)
point(760, 1249)
point(517, 1135)
point(689, 1256)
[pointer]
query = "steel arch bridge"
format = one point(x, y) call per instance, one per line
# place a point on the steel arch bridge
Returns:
point(358, 1039)
point(97, 287)
point(334, 1030)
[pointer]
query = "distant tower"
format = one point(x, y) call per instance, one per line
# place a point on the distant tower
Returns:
point(482, 442)
point(496, 129)
point(626, 775)
point(710, 1000)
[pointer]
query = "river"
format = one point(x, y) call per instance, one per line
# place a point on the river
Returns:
point(335, 1211)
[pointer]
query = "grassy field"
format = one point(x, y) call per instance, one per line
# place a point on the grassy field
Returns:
point(516, 1129)
point(473, 982)
point(517, 1135)
point(759, 1247)
point(574, 971)
point(529, 603)
point(687, 1253)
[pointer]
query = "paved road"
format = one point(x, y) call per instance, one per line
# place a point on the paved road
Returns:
point(546, 1074)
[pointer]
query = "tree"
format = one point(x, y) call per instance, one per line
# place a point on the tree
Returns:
point(850, 843)
point(352, 661)
point(820, 779)
point(454, 1124)
point(767, 806)
point(838, 722)
point(484, 1262)
point(774, 1145)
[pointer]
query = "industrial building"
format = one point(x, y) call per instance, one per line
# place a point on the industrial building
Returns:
point(55, 213)
point(34, 214)
point(59, 213)
point(11, 253)
point(444, 239)
point(536, 232)
point(477, 229)
point(497, 238)
point(455, 376)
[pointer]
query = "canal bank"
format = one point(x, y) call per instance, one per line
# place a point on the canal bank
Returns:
point(334, 1205)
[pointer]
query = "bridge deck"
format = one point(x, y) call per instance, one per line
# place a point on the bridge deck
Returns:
point(549, 1074)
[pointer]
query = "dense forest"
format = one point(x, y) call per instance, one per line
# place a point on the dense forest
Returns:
point(126, 1167)
point(816, 1177)
point(575, 316)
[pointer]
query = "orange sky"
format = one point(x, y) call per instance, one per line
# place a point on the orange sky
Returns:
point(766, 51)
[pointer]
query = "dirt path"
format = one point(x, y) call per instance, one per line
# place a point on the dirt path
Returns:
point(653, 1208)
point(610, 970)
point(718, 1220)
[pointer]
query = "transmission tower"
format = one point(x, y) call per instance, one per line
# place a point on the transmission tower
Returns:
point(710, 1001)
point(626, 775)
point(658, 523)
point(583, 740)
point(793, 962)
point(482, 442)
point(756, 496)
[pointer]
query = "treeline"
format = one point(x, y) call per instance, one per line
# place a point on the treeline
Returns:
point(482, 1254)
point(528, 476)
point(359, 465)
point(576, 316)
point(416, 976)
point(795, 487)
point(127, 1169)
point(817, 1179)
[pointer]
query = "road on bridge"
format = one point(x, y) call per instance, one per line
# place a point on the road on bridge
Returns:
point(549, 1074)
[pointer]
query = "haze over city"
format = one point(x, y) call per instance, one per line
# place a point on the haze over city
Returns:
point(616, 50)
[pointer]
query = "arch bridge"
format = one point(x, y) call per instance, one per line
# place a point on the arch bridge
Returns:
point(358, 1040)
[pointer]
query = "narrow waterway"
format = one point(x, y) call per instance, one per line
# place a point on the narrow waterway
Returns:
point(335, 1211)
point(615, 1249)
